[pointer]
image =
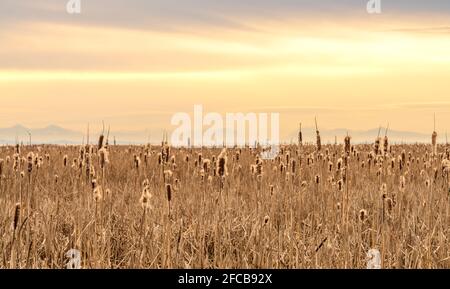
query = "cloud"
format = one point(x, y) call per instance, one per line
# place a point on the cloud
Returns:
point(173, 14)
point(426, 30)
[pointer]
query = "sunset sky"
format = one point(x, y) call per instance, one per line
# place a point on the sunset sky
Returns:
point(134, 63)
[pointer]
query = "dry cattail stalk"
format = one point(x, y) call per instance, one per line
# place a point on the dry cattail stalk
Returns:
point(137, 162)
point(389, 205)
point(259, 167)
point(318, 142)
point(300, 135)
point(376, 146)
point(145, 198)
point(434, 142)
point(166, 153)
point(206, 165)
point(30, 158)
point(169, 195)
point(339, 163)
point(94, 183)
point(98, 194)
point(266, 220)
point(168, 176)
point(402, 185)
point(65, 161)
point(317, 179)
point(340, 185)
point(92, 171)
point(177, 184)
point(330, 181)
point(253, 169)
point(288, 157)
point(100, 142)
point(222, 164)
point(104, 157)
point(75, 163)
point(434, 138)
point(282, 167)
point(383, 189)
point(386, 145)
point(347, 146)
point(293, 166)
point(445, 166)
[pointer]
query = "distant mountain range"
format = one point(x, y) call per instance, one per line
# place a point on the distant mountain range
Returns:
point(361, 136)
point(54, 134)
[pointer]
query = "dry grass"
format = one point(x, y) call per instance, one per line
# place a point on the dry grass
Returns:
point(153, 207)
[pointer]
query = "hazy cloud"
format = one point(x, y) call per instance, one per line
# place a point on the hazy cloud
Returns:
point(169, 14)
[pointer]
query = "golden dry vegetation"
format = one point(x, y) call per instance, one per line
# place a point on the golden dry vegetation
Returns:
point(161, 207)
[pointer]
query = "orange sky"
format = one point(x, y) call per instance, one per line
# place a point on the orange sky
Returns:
point(352, 73)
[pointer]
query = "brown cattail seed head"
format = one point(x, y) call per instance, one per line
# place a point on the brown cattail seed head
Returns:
point(100, 141)
point(16, 216)
point(318, 142)
point(94, 183)
point(222, 164)
point(30, 158)
point(266, 220)
point(347, 146)
point(169, 192)
point(362, 215)
point(317, 179)
point(340, 185)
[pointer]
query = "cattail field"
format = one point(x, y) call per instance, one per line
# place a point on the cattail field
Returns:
point(313, 206)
